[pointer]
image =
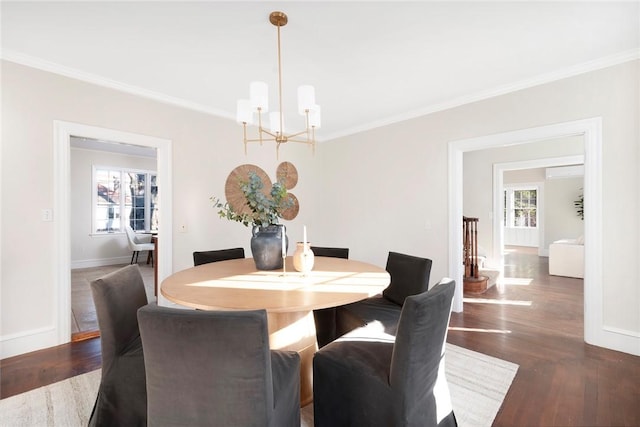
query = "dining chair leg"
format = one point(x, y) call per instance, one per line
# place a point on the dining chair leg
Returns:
point(132, 255)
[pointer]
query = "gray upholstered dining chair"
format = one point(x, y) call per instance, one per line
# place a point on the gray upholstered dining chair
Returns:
point(215, 368)
point(205, 257)
point(364, 379)
point(325, 318)
point(122, 394)
point(409, 276)
point(330, 252)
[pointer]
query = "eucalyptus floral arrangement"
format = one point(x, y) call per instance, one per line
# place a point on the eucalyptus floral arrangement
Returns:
point(265, 210)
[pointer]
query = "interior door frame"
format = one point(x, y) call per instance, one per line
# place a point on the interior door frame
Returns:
point(595, 331)
point(63, 131)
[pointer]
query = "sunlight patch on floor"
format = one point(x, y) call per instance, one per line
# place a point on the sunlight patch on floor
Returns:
point(491, 331)
point(516, 281)
point(496, 301)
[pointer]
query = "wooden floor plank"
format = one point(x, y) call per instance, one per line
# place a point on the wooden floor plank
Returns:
point(32, 370)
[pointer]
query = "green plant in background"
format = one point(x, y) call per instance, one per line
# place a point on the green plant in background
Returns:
point(579, 205)
point(264, 210)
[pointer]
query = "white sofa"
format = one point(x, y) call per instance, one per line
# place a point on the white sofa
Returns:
point(566, 258)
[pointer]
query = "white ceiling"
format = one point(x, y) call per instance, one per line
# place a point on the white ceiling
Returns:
point(372, 63)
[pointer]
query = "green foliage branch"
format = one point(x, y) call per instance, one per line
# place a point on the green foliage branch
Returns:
point(579, 205)
point(265, 210)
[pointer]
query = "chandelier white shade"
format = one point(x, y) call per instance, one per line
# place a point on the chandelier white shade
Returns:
point(258, 104)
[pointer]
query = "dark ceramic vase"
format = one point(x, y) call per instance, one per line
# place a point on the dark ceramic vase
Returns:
point(266, 246)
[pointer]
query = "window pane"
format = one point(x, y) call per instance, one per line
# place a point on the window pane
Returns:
point(154, 208)
point(522, 205)
point(108, 194)
point(121, 199)
point(134, 202)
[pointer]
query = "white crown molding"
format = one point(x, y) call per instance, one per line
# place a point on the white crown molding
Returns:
point(607, 61)
point(574, 70)
point(52, 67)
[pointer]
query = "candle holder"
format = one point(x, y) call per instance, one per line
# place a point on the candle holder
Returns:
point(284, 266)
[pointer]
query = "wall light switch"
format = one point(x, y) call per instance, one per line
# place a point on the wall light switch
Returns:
point(47, 215)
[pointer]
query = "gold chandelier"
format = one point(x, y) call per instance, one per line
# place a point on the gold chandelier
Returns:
point(258, 103)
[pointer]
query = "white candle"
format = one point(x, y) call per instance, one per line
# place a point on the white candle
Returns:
point(304, 239)
point(284, 245)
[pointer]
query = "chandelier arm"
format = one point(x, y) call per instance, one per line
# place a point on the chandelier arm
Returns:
point(259, 140)
point(298, 134)
point(271, 134)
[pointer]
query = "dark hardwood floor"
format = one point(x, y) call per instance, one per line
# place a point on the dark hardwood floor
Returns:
point(536, 322)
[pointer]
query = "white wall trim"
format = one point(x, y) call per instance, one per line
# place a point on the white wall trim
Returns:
point(595, 331)
point(60, 332)
point(52, 67)
point(90, 263)
point(498, 202)
point(585, 67)
point(456, 189)
point(622, 331)
point(608, 61)
point(30, 340)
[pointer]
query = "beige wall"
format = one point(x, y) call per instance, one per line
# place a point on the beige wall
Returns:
point(376, 191)
point(562, 220)
point(390, 183)
point(204, 150)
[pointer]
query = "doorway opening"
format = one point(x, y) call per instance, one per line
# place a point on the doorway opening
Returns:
point(63, 133)
point(591, 132)
point(123, 190)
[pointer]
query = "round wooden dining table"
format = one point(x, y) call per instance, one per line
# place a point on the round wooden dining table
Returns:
point(288, 296)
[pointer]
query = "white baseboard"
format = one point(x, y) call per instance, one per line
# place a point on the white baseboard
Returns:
point(28, 341)
point(89, 263)
point(618, 339)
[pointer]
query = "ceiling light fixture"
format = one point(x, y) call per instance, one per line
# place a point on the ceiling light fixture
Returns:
point(259, 104)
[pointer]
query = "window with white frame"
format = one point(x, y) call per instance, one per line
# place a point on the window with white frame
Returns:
point(124, 196)
point(521, 207)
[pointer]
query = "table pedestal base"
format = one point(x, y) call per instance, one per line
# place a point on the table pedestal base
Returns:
point(296, 331)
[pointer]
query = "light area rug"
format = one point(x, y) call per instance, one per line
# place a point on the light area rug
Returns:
point(478, 385)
